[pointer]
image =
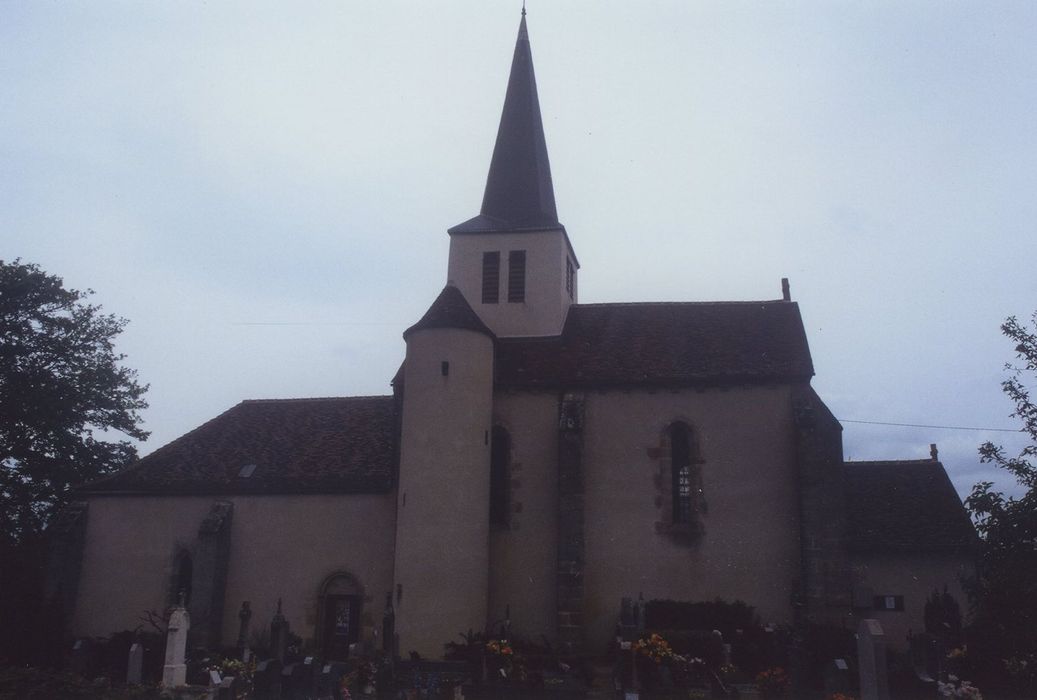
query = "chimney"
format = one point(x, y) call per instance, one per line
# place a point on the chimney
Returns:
point(933, 452)
point(786, 295)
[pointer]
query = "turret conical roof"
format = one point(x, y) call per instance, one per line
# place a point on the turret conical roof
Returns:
point(450, 310)
point(519, 193)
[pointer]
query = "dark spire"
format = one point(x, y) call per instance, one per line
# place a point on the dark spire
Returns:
point(519, 193)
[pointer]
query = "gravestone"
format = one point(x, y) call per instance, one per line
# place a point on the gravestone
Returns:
point(329, 679)
point(245, 616)
point(388, 626)
point(174, 673)
point(288, 678)
point(311, 670)
point(323, 688)
point(229, 688)
point(297, 681)
point(79, 659)
point(871, 657)
point(928, 654)
point(627, 620)
point(267, 680)
point(135, 664)
point(837, 677)
point(278, 634)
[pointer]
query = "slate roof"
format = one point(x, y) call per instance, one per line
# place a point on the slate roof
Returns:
point(450, 310)
point(904, 506)
point(662, 344)
point(519, 193)
point(326, 445)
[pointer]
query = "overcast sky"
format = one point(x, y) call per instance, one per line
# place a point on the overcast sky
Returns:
point(263, 189)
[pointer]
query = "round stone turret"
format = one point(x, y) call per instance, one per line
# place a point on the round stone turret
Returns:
point(442, 531)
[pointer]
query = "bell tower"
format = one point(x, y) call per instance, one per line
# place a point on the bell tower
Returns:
point(514, 262)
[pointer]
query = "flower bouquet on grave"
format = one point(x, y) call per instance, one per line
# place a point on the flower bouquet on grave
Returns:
point(502, 661)
point(773, 682)
point(655, 660)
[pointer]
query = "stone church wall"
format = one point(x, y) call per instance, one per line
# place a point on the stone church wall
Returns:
point(744, 544)
point(523, 556)
point(283, 546)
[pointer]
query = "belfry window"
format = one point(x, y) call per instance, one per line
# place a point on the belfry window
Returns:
point(681, 471)
point(500, 478)
point(517, 276)
point(570, 277)
point(491, 277)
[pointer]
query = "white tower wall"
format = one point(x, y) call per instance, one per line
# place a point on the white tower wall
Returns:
point(442, 537)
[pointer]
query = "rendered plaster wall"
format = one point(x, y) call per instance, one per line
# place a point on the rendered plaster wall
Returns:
point(748, 548)
point(546, 302)
point(523, 556)
point(914, 576)
point(443, 535)
point(281, 546)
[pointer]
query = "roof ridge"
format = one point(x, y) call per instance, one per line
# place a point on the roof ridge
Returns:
point(919, 462)
point(302, 399)
point(682, 303)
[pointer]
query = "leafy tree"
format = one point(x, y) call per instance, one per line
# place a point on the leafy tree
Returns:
point(63, 391)
point(1004, 592)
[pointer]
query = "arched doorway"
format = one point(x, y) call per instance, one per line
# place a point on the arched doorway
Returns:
point(341, 598)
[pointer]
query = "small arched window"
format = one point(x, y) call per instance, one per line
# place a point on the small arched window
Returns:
point(500, 478)
point(682, 472)
point(183, 573)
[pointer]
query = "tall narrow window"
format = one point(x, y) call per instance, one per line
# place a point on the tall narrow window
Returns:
point(680, 465)
point(491, 277)
point(517, 276)
point(500, 501)
point(570, 277)
point(183, 573)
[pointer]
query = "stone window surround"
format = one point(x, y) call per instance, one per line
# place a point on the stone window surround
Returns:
point(661, 455)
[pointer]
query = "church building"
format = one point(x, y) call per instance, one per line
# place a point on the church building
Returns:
point(538, 459)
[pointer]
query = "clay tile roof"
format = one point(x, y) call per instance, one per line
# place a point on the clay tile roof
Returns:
point(329, 445)
point(450, 310)
point(908, 506)
point(662, 344)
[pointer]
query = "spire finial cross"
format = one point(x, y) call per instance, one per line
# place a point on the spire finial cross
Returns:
point(523, 8)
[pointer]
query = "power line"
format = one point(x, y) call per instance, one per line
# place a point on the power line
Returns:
point(937, 427)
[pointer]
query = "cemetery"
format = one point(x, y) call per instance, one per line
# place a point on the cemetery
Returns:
point(663, 650)
point(654, 489)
